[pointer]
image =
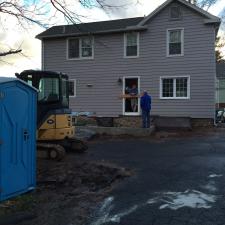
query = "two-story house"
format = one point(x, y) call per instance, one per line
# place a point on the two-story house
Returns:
point(170, 53)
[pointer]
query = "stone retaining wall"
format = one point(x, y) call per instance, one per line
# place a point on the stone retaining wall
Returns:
point(84, 120)
point(128, 121)
point(136, 121)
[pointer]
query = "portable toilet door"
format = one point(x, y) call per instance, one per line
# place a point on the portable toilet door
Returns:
point(17, 137)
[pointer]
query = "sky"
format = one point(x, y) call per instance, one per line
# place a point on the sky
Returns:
point(13, 35)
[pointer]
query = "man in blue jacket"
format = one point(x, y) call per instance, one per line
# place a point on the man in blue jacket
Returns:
point(146, 108)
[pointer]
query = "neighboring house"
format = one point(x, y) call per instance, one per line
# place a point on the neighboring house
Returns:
point(170, 53)
point(220, 84)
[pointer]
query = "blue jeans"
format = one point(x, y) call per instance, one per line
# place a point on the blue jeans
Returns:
point(145, 119)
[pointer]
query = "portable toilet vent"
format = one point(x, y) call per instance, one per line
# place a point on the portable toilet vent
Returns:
point(17, 137)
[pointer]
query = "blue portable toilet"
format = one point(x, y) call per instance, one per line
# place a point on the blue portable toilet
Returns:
point(17, 137)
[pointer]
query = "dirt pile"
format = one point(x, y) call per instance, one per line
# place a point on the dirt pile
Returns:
point(79, 177)
point(66, 193)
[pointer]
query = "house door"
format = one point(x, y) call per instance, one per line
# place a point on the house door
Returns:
point(14, 134)
point(131, 96)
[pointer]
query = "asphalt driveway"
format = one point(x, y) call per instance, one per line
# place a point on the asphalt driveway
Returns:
point(178, 181)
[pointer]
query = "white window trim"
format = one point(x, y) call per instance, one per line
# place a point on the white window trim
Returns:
point(174, 87)
point(80, 49)
point(125, 46)
point(75, 88)
point(123, 101)
point(182, 42)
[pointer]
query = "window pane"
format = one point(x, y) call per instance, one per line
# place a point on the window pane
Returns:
point(175, 36)
point(73, 48)
point(131, 42)
point(174, 48)
point(167, 88)
point(131, 50)
point(86, 45)
point(175, 44)
point(131, 39)
point(48, 90)
point(86, 52)
point(181, 87)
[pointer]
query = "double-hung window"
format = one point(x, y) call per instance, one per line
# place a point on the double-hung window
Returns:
point(175, 42)
point(131, 44)
point(175, 87)
point(80, 48)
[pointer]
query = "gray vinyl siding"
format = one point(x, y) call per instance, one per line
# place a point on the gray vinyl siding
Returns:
point(109, 65)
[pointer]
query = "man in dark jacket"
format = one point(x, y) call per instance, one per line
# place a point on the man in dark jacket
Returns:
point(146, 108)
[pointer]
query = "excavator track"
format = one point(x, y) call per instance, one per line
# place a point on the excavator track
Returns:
point(50, 151)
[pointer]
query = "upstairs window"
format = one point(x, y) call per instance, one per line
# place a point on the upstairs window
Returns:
point(175, 42)
point(80, 48)
point(131, 44)
point(175, 13)
point(86, 47)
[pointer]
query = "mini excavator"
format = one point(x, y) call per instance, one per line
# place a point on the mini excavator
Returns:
point(55, 122)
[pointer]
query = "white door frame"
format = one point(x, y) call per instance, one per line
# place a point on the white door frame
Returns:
point(123, 101)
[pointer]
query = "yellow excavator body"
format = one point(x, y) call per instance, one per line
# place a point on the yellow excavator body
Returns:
point(56, 127)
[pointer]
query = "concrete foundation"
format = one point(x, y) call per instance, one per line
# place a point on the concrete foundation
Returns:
point(202, 122)
point(172, 123)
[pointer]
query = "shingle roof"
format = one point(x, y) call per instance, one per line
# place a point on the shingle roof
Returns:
point(94, 27)
point(220, 69)
point(112, 26)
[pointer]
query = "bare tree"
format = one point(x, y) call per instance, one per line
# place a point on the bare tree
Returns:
point(220, 43)
point(40, 12)
point(206, 4)
point(10, 52)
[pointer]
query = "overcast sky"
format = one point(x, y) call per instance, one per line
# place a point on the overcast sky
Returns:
point(13, 35)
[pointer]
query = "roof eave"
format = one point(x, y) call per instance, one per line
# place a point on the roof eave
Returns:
point(130, 28)
point(212, 21)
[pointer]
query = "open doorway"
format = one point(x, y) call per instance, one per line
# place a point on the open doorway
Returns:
point(131, 95)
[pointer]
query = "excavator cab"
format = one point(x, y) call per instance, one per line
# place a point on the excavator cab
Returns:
point(55, 127)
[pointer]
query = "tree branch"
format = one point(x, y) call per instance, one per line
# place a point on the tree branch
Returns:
point(10, 52)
